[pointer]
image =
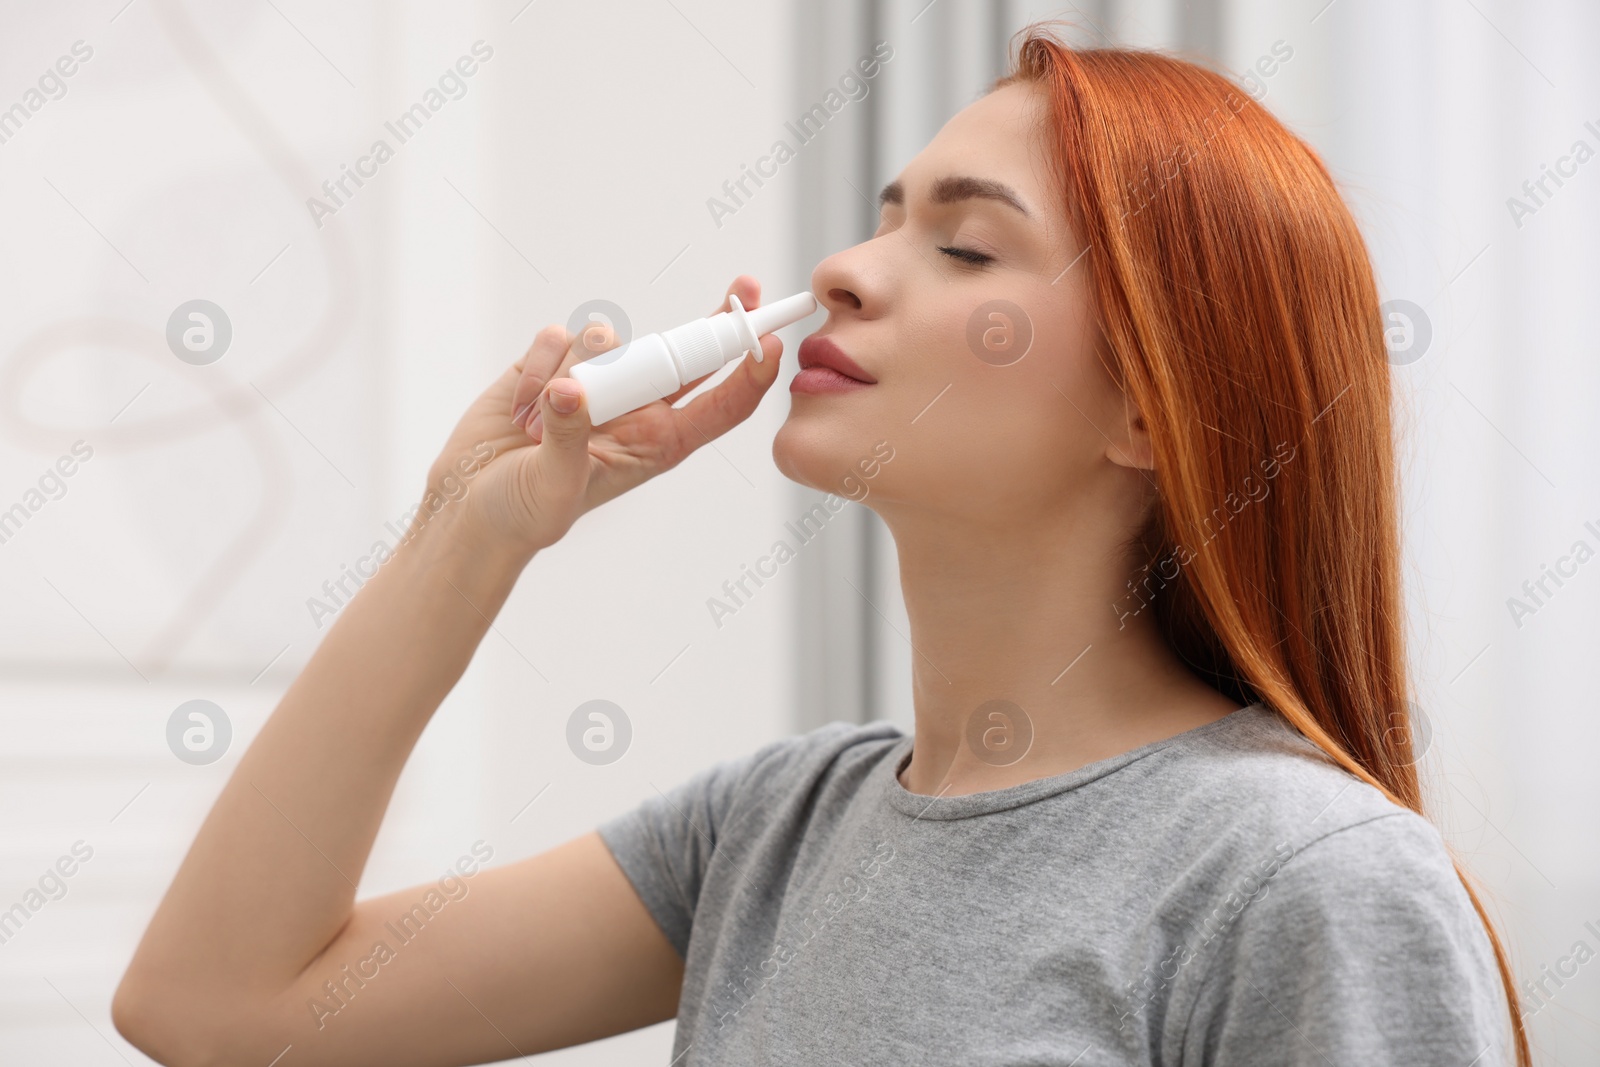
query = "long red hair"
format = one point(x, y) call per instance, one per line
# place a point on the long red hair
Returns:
point(1239, 306)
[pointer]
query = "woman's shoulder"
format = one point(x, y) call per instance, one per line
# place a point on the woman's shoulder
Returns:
point(1253, 774)
point(838, 752)
point(1255, 810)
point(824, 744)
point(1366, 938)
point(1317, 898)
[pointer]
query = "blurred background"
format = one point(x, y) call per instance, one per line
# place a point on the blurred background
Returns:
point(175, 491)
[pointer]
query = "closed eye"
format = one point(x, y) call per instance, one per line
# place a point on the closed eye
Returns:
point(967, 255)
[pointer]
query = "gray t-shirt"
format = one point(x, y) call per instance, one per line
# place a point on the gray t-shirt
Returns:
point(1224, 896)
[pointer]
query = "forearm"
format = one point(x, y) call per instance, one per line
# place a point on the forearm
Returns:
point(271, 876)
point(269, 885)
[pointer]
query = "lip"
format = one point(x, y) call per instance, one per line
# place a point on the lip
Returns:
point(820, 351)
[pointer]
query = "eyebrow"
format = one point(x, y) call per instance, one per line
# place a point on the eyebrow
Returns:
point(951, 190)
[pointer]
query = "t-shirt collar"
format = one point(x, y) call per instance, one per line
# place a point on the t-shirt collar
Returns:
point(933, 807)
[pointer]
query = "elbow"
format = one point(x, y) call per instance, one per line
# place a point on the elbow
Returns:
point(138, 1018)
point(130, 1014)
point(156, 1024)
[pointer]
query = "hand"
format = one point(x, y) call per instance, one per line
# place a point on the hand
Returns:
point(547, 467)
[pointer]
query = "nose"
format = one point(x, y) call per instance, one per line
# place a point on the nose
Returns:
point(851, 281)
point(844, 298)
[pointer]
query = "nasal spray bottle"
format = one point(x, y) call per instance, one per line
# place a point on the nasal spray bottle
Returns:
point(659, 364)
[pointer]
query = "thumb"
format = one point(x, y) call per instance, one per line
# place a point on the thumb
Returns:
point(564, 444)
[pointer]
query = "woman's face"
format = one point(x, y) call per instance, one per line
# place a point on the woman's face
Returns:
point(970, 310)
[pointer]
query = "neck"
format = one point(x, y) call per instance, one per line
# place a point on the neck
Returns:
point(1032, 630)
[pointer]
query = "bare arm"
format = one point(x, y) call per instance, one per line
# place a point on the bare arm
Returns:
point(534, 955)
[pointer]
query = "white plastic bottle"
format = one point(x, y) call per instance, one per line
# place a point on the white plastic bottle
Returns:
point(659, 364)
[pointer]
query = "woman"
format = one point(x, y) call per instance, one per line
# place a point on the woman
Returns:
point(1119, 341)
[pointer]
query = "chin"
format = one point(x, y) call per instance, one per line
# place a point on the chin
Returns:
point(815, 451)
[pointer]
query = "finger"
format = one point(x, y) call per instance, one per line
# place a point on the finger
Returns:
point(539, 364)
point(719, 409)
point(595, 338)
point(746, 288)
point(563, 455)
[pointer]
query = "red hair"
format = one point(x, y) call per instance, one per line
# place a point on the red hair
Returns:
point(1238, 304)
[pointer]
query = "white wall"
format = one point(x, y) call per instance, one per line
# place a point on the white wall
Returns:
point(178, 564)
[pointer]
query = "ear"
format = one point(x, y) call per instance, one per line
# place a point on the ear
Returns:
point(1131, 448)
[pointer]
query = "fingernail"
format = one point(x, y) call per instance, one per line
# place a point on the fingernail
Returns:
point(564, 398)
point(536, 424)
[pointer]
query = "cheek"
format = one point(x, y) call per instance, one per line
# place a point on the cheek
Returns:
point(1004, 436)
point(1001, 438)
point(969, 430)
